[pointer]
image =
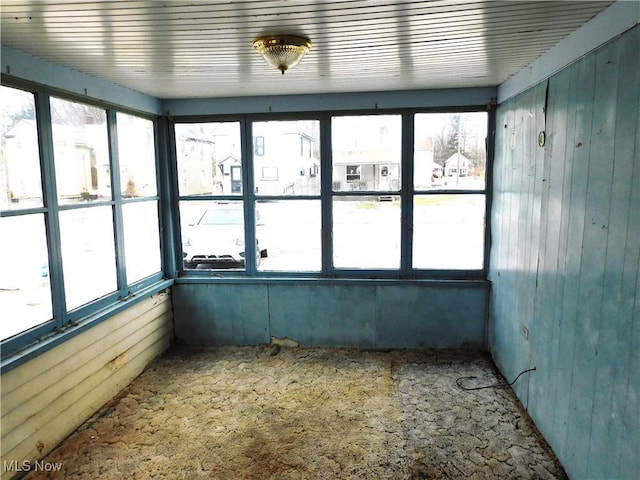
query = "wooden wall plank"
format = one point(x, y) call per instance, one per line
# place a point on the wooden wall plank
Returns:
point(624, 108)
point(544, 335)
point(584, 335)
point(67, 405)
point(594, 242)
point(623, 432)
point(566, 328)
point(52, 377)
point(45, 400)
point(521, 192)
point(51, 358)
point(50, 434)
point(54, 393)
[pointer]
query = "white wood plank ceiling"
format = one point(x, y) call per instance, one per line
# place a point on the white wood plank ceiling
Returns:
point(180, 49)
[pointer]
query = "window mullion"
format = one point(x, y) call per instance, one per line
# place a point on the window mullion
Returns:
point(50, 199)
point(116, 194)
point(326, 188)
point(167, 175)
point(248, 194)
point(406, 195)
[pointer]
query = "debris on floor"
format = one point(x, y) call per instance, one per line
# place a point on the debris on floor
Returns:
point(308, 413)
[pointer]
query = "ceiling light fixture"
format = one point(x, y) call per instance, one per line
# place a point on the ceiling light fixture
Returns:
point(282, 51)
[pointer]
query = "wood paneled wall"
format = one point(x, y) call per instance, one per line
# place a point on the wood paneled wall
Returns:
point(47, 398)
point(565, 258)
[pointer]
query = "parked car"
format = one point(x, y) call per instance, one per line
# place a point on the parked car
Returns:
point(216, 239)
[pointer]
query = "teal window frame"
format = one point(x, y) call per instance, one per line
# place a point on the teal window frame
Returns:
point(66, 323)
point(406, 194)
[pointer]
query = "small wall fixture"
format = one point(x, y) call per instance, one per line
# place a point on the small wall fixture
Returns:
point(282, 51)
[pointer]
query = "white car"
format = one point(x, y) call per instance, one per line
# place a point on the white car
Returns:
point(216, 240)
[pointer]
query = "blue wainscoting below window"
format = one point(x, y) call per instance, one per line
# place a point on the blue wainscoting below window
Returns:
point(357, 313)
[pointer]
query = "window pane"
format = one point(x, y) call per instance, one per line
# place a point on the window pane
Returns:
point(366, 153)
point(212, 235)
point(288, 233)
point(20, 185)
point(449, 151)
point(136, 153)
point(141, 239)
point(25, 296)
point(81, 153)
point(209, 158)
point(448, 231)
point(366, 232)
point(286, 157)
point(88, 254)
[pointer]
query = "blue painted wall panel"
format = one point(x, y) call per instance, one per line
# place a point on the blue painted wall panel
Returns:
point(411, 316)
point(221, 314)
point(581, 246)
point(340, 315)
point(363, 313)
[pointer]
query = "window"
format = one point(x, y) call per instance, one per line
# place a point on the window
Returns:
point(209, 159)
point(138, 189)
point(293, 165)
point(88, 254)
point(449, 181)
point(20, 181)
point(366, 232)
point(388, 208)
point(258, 146)
point(213, 235)
point(211, 216)
point(366, 227)
point(83, 181)
point(81, 152)
point(361, 146)
point(25, 295)
point(288, 218)
point(60, 238)
point(353, 173)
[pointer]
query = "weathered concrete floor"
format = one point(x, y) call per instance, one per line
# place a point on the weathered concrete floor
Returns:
point(242, 413)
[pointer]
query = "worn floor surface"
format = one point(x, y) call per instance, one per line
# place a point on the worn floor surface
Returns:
point(309, 413)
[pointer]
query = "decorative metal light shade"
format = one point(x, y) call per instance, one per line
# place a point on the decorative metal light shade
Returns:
point(282, 51)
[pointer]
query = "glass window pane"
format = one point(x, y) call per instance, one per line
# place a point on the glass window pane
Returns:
point(136, 153)
point(20, 184)
point(288, 234)
point(286, 157)
point(25, 295)
point(81, 153)
point(366, 232)
point(448, 231)
point(141, 239)
point(212, 235)
point(209, 158)
point(450, 151)
point(88, 254)
point(366, 152)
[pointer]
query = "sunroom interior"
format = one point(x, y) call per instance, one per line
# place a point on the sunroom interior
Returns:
point(430, 175)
